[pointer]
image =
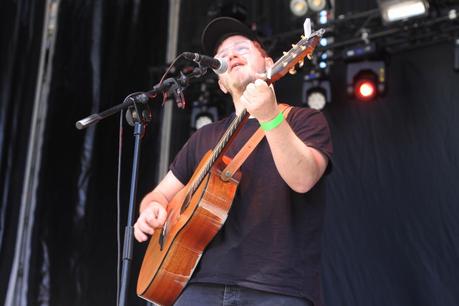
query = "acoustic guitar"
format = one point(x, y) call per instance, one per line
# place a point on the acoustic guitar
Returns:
point(200, 209)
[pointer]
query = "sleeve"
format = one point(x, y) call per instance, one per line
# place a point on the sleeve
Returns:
point(186, 160)
point(312, 128)
point(192, 152)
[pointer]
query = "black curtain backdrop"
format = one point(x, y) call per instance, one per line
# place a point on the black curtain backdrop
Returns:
point(104, 51)
point(20, 41)
point(391, 234)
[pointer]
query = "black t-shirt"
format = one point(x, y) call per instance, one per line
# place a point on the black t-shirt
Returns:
point(271, 239)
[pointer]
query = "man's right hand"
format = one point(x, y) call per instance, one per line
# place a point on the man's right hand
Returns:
point(151, 218)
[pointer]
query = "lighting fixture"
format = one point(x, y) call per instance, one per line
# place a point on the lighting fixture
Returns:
point(316, 91)
point(396, 10)
point(366, 80)
point(317, 5)
point(299, 7)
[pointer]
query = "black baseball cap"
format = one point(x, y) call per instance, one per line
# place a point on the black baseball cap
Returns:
point(221, 28)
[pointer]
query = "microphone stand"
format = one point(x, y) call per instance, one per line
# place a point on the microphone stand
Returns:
point(140, 115)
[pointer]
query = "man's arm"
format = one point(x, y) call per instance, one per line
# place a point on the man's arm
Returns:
point(153, 207)
point(299, 166)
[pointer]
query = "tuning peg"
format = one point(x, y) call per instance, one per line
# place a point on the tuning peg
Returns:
point(303, 37)
point(294, 55)
point(292, 71)
point(284, 52)
point(294, 46)
point(309, 56)
point(284, 64)
point(303, 48)
point(300, 63)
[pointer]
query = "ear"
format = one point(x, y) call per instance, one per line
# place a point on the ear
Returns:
point(222, 86)
point(269, 62)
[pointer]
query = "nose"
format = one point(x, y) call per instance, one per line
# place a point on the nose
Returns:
point(232, 53)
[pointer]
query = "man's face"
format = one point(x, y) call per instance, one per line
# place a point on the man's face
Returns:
point(244, 59)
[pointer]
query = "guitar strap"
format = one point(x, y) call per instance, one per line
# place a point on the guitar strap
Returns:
point(248, 148)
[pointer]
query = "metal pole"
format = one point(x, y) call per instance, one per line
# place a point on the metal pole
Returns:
point(129, 230)
point(166, 125)
point(18, 283)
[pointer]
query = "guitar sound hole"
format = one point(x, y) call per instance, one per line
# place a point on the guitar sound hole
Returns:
point(162, 236)
point(185, 203)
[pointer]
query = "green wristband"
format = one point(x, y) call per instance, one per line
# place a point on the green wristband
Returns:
point(268, 126)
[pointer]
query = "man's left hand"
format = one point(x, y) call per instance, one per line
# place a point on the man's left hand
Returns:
point(260, 101)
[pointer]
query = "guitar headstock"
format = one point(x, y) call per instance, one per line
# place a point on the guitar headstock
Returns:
point(303, 48)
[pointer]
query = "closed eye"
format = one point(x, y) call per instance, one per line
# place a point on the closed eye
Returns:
point(242, 49)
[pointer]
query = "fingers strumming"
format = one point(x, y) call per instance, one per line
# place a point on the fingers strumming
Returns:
point(139, 236)
point(145, 227)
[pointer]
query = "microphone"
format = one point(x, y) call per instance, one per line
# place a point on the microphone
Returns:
point(218, 65)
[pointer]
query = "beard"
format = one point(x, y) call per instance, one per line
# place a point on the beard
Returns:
point(239, 83)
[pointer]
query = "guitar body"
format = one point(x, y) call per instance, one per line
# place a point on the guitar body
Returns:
point(168, 266)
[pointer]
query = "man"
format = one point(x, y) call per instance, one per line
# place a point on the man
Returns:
point(268, 251)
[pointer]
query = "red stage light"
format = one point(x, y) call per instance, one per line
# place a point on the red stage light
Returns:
point(365, 90)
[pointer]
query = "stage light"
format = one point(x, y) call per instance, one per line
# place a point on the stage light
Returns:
point(316, 91)
point(323, 17)
point(365, 89)
point(316, 99)
point(358, 52)
point(317, 5)
point(366, 80)
point(395, 10)
point(202, 120)
point(299, 7)
point(202, 115)
point(323, 60)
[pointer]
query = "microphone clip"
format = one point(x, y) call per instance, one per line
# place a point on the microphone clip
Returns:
point(138, 110)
